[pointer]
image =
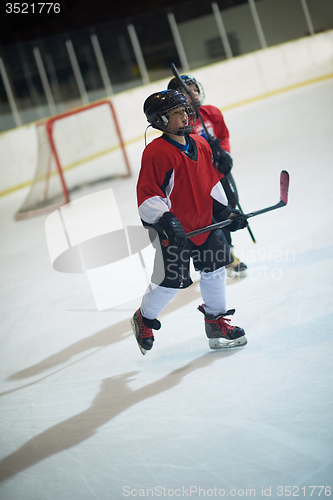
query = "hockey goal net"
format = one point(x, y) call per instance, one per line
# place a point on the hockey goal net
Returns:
point(75, 148)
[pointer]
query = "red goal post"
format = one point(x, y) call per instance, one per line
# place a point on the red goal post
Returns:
point(88, 137)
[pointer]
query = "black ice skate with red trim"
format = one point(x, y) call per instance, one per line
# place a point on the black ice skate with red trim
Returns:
point(220, 333)
point(142, 329)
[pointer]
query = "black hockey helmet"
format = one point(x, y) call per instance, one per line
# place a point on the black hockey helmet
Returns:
point(157, 108)
point(188, 80)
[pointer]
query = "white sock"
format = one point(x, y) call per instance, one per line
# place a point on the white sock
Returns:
point(213, 291)
point(156, 299)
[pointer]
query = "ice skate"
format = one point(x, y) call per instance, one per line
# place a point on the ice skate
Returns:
point(220, 333)
point(236, 269)
point(142, 329)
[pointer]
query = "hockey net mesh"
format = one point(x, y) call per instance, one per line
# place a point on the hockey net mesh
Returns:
point(46, 190)
point(76, 148)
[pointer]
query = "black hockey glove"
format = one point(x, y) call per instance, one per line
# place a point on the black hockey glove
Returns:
point(170, 226)
point(239, 220)
point(221, 159)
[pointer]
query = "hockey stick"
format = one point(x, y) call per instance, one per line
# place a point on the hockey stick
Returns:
point(228, 176)
point(284, 188)
point(194, 104)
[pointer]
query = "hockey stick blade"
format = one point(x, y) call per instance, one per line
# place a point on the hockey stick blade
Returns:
point(284, 186)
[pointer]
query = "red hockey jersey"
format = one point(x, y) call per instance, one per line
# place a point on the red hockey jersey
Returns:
point(214, 121)
point(179, 182)
point(216, 127)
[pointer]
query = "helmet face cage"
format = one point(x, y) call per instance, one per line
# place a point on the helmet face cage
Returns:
point(189, 81)
point(181, 119)
point(161, 112)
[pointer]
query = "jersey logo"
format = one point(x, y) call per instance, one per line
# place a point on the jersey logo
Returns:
point(200, 130)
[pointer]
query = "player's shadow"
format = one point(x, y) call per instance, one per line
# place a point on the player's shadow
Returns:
point(114, 398)
point(108, 336)
point(111, 335)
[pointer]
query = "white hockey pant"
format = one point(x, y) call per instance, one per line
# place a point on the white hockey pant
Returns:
point(213, 291)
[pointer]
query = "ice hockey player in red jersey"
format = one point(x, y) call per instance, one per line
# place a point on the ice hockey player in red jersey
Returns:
point(217, 129)
point(178, 191)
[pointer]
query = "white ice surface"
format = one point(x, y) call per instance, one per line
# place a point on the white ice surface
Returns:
point(85, 416)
